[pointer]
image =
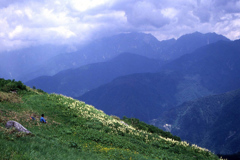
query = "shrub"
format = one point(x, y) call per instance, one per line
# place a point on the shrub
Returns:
point(11, 85)
point(41, 91)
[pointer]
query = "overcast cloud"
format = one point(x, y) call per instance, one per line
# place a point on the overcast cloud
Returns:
point(27, 22)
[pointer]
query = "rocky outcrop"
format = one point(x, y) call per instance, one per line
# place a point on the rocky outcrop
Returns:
point(17, 125)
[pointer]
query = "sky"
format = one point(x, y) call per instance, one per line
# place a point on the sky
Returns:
point(25, 23)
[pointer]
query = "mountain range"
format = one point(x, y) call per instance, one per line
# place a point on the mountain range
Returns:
point(74, 82)
point(27, 64)
point(143, 44)
point(212, 69)
point(88, 77)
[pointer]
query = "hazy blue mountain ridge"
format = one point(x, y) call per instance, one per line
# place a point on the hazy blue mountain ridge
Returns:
point(139, 43)
point(49, 60)
point(100, 50)
point(141, 96)
point(75, 82)
point(217, 66)
point(15, 64)
point(190, 42)
point(209, 70)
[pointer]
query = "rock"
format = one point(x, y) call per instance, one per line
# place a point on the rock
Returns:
point(17, 125)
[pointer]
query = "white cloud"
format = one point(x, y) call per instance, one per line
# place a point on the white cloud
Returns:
point(169, 12)
point(84, 5)
point(144, 13)
point(15, 32)
point(62, 32)
point(27, 22)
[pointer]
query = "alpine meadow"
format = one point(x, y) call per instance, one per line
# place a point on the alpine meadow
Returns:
point(76, 130)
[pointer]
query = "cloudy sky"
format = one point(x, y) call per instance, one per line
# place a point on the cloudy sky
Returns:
point(33, 22)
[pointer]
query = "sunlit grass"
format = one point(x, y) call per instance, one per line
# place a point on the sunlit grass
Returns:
point(76, 130)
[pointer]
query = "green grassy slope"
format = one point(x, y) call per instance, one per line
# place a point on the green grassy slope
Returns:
point(76, 130)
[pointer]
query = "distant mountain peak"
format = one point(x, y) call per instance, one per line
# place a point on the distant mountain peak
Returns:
point(212, 35)
point(146, 37)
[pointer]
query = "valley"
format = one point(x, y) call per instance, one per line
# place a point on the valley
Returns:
point(164, 83)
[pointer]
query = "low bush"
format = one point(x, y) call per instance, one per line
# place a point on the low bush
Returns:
point(11, 85)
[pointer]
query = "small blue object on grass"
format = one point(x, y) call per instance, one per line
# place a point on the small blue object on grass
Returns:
point(32, 118)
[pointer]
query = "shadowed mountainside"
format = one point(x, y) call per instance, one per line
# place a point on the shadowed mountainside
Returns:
point(210, 70)
point(75, 82)
point(211, 122)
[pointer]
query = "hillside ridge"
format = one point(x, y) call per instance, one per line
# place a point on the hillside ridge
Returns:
point(78, 130)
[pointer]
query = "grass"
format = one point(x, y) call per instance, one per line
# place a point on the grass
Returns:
point(10, 97)
point(76, 130)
